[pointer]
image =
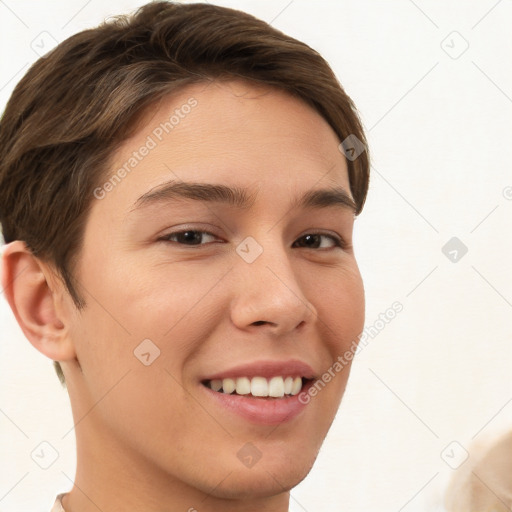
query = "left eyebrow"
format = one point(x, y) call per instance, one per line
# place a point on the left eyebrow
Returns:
point(323, 198)
point(239, 197)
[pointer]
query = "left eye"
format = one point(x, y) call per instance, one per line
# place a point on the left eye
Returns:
point(315, 241)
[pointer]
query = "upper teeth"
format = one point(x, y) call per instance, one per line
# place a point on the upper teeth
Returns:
point(258, 386)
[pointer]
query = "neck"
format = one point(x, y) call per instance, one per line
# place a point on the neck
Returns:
point(112, 477)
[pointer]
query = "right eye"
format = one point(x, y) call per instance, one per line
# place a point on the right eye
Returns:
point(188, 237)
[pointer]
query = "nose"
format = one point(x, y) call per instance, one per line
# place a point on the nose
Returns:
point(269, 295)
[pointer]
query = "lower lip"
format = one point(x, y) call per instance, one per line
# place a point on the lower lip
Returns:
point(264, 411)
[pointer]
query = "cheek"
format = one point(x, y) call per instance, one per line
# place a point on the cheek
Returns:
point(173, 306)
point(340, 304)
point(341, 311)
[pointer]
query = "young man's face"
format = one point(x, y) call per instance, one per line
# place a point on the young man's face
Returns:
point(223, 290)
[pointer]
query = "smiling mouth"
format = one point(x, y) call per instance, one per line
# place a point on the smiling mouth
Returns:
point(258, 387)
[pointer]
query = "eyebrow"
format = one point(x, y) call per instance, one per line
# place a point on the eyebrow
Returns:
point(239, 197)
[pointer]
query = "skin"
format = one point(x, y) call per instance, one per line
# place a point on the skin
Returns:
point(147, 436)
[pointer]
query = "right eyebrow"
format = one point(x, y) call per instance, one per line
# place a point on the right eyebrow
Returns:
point(233, 196)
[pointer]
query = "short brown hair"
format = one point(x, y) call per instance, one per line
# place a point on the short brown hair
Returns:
point(75, 106)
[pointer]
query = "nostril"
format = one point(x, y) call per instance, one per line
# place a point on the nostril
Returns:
point(259, 322)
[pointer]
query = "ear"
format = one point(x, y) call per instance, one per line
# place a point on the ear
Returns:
point(36, 297)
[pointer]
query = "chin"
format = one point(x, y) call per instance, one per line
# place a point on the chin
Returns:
point(275, 475)
point(262, 483)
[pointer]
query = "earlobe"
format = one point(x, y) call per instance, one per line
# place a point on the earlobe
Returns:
point(35, 301)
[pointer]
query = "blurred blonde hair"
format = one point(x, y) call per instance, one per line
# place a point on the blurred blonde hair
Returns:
point(484, 482)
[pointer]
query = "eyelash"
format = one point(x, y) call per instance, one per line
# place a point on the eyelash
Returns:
point(338, 241)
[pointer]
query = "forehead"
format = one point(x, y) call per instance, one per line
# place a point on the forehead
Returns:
point(230, 132)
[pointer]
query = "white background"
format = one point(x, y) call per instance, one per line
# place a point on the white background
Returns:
point(440, 137)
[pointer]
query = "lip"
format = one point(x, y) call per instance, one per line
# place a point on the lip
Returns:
point(267, 369)
point(261, 411)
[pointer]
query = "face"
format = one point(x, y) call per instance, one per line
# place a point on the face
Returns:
point(221, 258)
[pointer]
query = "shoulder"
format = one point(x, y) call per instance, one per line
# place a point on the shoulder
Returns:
point(57, 506)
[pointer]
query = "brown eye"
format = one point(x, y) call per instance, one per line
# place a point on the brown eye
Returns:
point(189, 237)
point(317, 241)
